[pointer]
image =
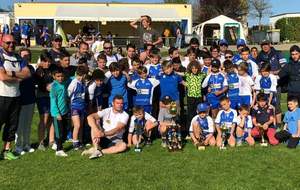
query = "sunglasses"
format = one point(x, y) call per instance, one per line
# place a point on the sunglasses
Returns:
point(107, 47)
point(228, 57)
point(10, 42)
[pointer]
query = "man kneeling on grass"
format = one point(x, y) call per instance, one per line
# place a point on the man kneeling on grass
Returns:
point(109, 135)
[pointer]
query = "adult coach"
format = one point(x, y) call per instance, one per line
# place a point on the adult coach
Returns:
point(148, 36)
point(57, 50)
point(110, 135)
point(13, 69)
point(270, 55)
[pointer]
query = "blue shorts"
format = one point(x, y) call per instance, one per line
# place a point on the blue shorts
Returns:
point(43, 105)
point(75, 112)
point(245, 100)
point(234, 102)
point(213, 100)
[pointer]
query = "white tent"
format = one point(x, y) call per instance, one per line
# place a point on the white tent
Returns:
point(221, 27)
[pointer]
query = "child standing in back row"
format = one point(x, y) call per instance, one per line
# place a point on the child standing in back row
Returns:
point(59, 109)
point(76, 92)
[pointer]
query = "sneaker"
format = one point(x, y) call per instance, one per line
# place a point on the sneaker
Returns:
point(239, 143)
point(61, 153)
point(96, 154)
point(29, 149)
point(8, 155)
point(148, 142)
point(164, 144)
point(19, 151)
point(54, 146)
point(77, 145)
point(41, 147)
point(88, 151)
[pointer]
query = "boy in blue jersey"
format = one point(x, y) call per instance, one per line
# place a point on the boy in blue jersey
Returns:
point(145, 121)
point(202, 127)
point(133, 73)
point(117, 84)
point(154, 68)
point(226, 118)
point(169, 82)
point(59, 109)
point(95, 91)
point(291, 130)
point(207, 59)
point(76, 92)
point(144, 87)
point(217, 86)
point(252, 66)
point(233, 83)
point(244, 126)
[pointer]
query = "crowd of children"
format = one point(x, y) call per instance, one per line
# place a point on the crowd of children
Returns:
point(229, 99)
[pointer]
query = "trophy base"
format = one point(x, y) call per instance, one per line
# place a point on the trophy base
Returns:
point(201, 147)
point(137, 150)
point(264, 144)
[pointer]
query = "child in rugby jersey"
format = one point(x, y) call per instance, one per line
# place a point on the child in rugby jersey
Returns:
point(169, 82)
point(117, 84)
point(217, 86)
point(233, 84)
point(154, 68)
point(59, 109)
point(266, 83)
point(133, 73)
point(246, 86)
point(226, 118)
point(144, 87)
point(202, 127)
point(95, 91)
point(206, 67)
point(252, 68)
point(263, 120)
point(244, 126)
point(141, 123)
point(76, 92)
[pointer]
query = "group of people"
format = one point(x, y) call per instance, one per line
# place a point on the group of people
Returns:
point(101, 98)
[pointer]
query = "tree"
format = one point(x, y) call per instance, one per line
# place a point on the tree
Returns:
point(207, 9)
point(260, 9)
point(177, 1)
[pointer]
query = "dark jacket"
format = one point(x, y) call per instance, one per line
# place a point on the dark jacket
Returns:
point(290, 74)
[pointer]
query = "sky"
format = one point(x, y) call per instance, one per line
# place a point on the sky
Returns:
point(278, 6)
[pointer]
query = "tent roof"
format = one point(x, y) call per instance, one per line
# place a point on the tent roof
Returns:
point(222, 19)
point(87, 13)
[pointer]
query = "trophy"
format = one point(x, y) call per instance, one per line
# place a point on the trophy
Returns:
point(262, 132)
point(224, 131)
point(139, 130)
point(173, 108)
point(200, 145)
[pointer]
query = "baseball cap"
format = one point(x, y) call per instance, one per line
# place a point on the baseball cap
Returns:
point(216, 63)
point(166, 100)
point(223, 42)
point(56, 37)
point(265, 42)
point(202, 107)
point(240, 42)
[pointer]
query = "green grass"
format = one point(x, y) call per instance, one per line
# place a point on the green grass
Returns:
point(156, 168)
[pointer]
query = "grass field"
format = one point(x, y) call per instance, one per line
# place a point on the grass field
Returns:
point(156, 168)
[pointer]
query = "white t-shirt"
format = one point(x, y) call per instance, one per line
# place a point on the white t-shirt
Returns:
point(111, 120)
point(113, 58)
point(245, 85)
point(148, 117)
point(210, 123)
point(97, 47)
point(11, 63)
